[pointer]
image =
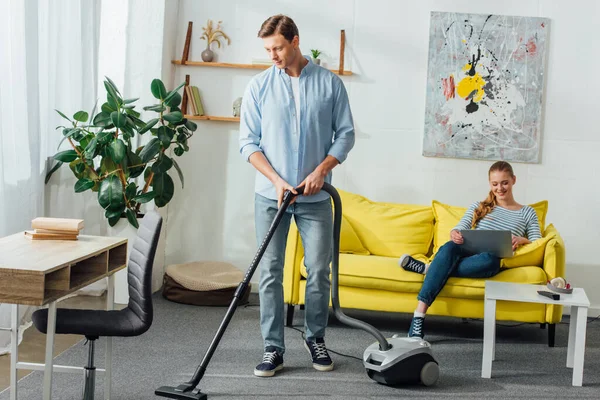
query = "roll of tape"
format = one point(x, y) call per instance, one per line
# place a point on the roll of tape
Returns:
point(559, 282)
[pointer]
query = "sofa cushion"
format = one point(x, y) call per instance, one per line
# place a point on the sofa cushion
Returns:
point(447, 217)
point(532, 253)
point(384, 273)
point(389, 229)
point(349, 241)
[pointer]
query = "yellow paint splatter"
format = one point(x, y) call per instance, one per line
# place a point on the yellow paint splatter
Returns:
point(469, 84)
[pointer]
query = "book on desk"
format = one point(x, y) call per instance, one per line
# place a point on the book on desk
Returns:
point(46, 228)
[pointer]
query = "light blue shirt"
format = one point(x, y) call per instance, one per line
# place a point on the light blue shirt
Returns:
point(268, 124)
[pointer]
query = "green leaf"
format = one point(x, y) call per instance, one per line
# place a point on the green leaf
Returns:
point(163, 164)
point(107, 165)
point(179, 151)
point(81, 116)
point(105, 136)
point(173, 117)
point(114, 220)
point(110, 195)
point(103, 119)
point(49, 174)
point(118, 119)
point(90, 150)
point(158, 89)
point(131, 218)
point(164, 189)
point(191, 125)
point(63, 115)
point(178, 171)
point(165, 135)
point(113, 213)
point(112, 84)
point(150, 150)
point(66, 156)
point(130, 191)
point(83, 184)
point(134, 159)
point(173, 99)
point(79, 168)
point(148, 126)
point(157, 107)
point(107, 108)
point(67, 134)
point(129, 101)
point(117, 150)
point(112, 91)
point(144, 197)
point(173, 93)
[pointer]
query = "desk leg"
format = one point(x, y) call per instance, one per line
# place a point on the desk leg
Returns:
point(50, 330)
point(14, 349)
point(579, 350)
point(489, 337)
point(572, 331)
point(110, 305)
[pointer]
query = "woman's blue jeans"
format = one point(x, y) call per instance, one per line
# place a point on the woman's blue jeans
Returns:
point(315, 224)
point(452, 260)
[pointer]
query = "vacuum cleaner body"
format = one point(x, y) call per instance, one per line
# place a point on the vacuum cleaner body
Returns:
point(407, 361)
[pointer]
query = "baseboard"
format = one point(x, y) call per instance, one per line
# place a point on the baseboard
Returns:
point(593, 312)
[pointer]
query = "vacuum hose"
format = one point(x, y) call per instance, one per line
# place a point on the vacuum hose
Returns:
point(335, 267)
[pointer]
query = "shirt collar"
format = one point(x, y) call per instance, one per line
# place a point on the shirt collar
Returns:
point(307, 70)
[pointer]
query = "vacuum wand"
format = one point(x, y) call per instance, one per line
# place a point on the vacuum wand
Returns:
point(188, 390)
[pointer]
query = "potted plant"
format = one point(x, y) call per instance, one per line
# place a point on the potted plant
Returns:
point(212, 35)
point(104, 160)
point(315, 56)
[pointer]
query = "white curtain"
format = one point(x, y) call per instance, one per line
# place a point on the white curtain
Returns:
point(49, 58)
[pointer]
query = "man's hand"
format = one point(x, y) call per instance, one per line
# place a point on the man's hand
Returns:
point(456, 236)
point(518, 241)
point(281, 186)
point(313, 183)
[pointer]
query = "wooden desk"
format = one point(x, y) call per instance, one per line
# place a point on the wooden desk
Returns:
point(40, 272)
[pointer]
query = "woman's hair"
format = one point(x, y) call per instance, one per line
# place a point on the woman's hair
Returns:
point(281, 24)
point(487, 205)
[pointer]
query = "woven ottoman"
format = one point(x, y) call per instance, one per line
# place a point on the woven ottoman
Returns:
point(203, 283)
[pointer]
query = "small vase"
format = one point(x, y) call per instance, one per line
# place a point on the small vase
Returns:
point(316, 61)
point(207, 55)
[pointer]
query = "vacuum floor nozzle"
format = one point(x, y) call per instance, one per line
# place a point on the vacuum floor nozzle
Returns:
point(174, 393)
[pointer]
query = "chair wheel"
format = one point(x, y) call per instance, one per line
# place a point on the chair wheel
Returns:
point(430, 373)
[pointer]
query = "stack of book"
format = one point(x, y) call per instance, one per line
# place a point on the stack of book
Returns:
point(54, 229)
point(194, 100)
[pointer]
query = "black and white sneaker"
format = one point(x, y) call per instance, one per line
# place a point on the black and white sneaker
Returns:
point(272, 362)
point(320, 357)
point(412, 265)
point(416, 327)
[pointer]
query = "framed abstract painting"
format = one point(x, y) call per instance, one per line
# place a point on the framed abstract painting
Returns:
point(485, 82)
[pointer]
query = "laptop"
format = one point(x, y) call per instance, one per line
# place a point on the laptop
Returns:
point(496, 242)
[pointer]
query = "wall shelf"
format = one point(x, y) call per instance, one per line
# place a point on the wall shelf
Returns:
point(212, 118)
point(240, 66)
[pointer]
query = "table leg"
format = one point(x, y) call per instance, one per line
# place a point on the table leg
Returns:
point(50, 330)
point(110, 305)
point(579, 351)
point(14, 349)
point(572, 331)
point(489, 337)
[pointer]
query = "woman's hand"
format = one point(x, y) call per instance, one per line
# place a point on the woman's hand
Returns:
point(456, 236)
point(519, 241)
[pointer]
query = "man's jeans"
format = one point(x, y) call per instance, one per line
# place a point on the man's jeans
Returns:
point(451, 260)
point(315, 224)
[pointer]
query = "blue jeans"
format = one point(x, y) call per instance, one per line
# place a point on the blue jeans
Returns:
point(451, 260)
point(315, 224)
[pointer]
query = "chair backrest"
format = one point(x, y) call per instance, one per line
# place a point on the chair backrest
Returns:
point(141, 259)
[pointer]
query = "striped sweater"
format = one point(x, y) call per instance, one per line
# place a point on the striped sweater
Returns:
point(523, 222)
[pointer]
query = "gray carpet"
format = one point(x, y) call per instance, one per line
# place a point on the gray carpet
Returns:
point(170, 351)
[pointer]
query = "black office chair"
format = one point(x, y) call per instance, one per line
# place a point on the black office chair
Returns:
point(133, 320)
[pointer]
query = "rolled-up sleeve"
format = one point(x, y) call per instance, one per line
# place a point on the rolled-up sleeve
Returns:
point(343, 124)
point(250, 123)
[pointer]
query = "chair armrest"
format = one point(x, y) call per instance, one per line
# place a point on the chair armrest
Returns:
point(294, 253)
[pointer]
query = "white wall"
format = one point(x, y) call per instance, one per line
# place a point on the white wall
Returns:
point(387, 49)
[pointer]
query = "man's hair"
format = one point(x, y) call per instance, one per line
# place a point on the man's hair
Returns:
point(281, 24)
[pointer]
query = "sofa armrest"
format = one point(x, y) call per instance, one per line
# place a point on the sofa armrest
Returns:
point(294, 253)
point(554, 257)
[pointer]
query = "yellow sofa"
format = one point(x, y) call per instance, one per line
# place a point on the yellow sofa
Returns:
point(373, 237)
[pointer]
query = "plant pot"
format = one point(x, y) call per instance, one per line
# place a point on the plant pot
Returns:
point(316, 61)
point(207, 55)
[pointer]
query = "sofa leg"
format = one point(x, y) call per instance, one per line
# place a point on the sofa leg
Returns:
point(551, 334)
point(290, 315)
point(543, 326)
point(301, 306)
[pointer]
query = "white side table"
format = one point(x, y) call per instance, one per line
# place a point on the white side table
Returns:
point(528, 293)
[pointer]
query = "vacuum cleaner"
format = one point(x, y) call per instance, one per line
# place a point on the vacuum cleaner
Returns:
point(392, 361)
